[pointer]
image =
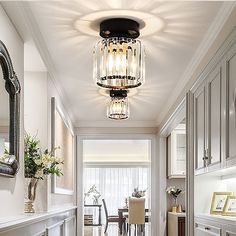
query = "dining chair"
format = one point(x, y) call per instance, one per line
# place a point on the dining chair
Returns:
point(112, 218)
point(136, 214)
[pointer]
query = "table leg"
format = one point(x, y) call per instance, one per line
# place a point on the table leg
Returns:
point(120, 214)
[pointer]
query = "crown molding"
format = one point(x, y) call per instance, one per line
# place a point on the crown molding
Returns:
point(22, 17)
point(208, 40)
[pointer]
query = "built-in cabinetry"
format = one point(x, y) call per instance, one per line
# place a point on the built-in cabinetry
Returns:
point(177, 152)
point(214, 139)
point(56, 223)
point(208, 121)
point(214, 98)
point(230, 66)
point(218, 226)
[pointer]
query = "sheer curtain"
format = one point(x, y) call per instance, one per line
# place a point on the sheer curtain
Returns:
point(117, 183)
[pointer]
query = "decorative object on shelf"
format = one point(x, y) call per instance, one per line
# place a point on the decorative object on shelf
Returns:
point(218, 202)
point(230, 206)
point(118, 107)
point(174, 192)
point(10, 108)
point(119, 57)
point(179, 208)
point(94, 193)
point(138, 193)
point(38, 164)
point(62, 135)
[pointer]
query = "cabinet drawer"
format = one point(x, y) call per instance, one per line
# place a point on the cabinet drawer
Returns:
point(207, 229)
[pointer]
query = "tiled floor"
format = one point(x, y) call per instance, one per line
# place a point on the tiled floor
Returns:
point(111, 231)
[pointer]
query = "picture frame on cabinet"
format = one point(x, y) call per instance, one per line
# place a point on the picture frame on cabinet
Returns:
point(62, 136)
point(230, 206)
point(218, 202)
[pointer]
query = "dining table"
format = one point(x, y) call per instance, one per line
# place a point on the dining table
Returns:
point(120, 214)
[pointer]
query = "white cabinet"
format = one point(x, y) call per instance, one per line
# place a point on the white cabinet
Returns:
point(231, 106)
point(215, 116)
point(177, 152)
point(56, 223)
point(70, 226)
point(210, 225)
point(56, 229)
point(200, 127)
point(208, 122)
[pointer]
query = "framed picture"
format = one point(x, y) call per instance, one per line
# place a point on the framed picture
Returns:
point(218, 202)
point(230, 206)
point(62, 136)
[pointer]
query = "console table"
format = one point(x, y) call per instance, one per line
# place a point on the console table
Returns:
point(99, 206)
point(176, 224)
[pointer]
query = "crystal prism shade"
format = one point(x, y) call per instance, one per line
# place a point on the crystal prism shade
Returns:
point(119, 63)
point(118, 108)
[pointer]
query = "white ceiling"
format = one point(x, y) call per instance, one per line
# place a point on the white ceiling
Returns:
point(168, 53)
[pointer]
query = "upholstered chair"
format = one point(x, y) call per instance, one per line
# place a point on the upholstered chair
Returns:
point(136, 213)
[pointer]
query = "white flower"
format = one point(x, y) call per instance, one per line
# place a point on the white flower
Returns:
point(46, 159)
point(170, 189)
point(39, 174)
point(38, 162)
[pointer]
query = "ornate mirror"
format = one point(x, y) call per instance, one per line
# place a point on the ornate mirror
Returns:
point(9, 115)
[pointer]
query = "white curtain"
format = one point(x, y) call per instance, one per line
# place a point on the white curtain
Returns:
point(116, 183)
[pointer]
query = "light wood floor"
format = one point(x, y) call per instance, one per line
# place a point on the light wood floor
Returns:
point(112, 230)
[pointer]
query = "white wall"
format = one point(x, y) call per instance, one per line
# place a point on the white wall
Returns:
point(58, 200)
point(12, 190)
point(39, 89)
point(35, 122)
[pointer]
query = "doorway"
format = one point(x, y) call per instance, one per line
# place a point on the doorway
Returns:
point(112, 168)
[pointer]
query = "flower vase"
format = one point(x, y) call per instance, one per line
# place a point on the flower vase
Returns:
point(31, 195)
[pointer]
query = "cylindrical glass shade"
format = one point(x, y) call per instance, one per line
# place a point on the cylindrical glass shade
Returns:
point(119, 63)
point(118, 108)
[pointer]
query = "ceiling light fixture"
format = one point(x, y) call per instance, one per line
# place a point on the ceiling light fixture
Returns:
point(119, 57)
point(118, 107)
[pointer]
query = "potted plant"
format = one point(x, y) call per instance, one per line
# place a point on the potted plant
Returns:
point(38, 164)
point(174, 192)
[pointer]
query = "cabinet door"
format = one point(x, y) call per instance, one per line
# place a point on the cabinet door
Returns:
point(176, 152)
point(181, 226)
point(214, 115)
point(56, 230)
point(70, 226)
point(199, 127)
point(231, 104)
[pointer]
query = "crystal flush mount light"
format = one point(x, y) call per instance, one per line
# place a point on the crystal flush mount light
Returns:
point(119, 57)
point(118, 107)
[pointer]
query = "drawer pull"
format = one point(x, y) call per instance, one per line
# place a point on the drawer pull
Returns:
point(207, 228)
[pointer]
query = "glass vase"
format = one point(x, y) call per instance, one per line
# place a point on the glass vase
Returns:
point(31, 195)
